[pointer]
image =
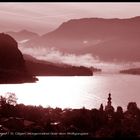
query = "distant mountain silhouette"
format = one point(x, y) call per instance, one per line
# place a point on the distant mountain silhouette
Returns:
point(12, 64)
point(110, 39)
point(45, 68)
point(23, 35)
point(135, 71)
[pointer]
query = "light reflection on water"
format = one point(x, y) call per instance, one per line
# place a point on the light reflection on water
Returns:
point(76, 92)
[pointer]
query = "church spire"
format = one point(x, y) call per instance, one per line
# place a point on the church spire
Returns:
point(109, 107)
point(109, 100)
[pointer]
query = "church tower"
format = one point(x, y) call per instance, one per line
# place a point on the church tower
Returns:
point(109, 108)
point(109, 100)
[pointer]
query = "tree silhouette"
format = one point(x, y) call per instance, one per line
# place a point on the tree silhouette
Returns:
point(11, 98)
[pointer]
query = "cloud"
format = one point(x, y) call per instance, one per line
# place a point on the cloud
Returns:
point(53, 55)
point(88, 60)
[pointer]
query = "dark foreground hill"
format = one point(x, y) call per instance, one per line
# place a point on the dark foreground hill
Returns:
point(12, 63)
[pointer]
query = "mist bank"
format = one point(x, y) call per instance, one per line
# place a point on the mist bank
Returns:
point(87, 60)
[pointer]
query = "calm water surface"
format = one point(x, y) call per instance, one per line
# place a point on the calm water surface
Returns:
point(78, 91)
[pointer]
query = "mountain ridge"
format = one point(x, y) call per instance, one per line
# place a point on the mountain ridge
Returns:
point(86, 35)
point(22, 34)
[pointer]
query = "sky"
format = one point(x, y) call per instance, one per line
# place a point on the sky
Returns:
point(46, 16)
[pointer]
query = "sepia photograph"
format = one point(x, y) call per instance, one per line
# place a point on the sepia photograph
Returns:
point(70, 69)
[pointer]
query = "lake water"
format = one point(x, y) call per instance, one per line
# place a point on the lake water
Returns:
point(78, 91)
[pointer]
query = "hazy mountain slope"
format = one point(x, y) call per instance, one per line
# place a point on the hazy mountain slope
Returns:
point(107, 38)
point(23, 35)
